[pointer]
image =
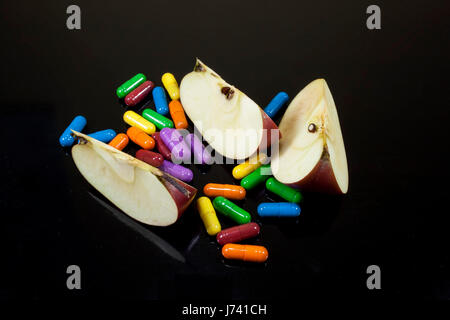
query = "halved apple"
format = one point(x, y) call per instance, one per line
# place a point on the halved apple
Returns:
point(232, 123)
point(312, 153)
point(143, 192)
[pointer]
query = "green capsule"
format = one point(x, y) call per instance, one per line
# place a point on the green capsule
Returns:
point(255, 178)
point(157, 119)
point(131, 84)
point(232, 211)
point(284, 191)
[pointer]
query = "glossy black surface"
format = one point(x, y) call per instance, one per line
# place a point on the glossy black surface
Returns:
point(391, 90)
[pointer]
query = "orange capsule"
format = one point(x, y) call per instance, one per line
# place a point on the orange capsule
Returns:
point(229, 191)
point(177, 114)
point(140, 138)
point(245, 252)
point(120, 141)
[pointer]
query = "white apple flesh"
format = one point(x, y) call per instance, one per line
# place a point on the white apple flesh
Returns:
point(141, 191)
point(311, 152)
point(228, 120)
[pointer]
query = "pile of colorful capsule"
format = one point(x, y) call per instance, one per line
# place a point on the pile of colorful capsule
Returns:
point(173, 146)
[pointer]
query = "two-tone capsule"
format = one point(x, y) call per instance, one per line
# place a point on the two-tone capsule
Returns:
point(104, 136)
point(208, 216)
point(201, 155)
point(278, 209)
point(137, 95)
point(245, 252)
point(177, 114)
point(135, 120)
point(162, 148)
point(276, 104)
point(159, 97)
point(238, 233)
point(157, 119)
point(140, 138)
point(178, 171)
point(284, 191)
point(120, 141)
point(77, 124)
point(256, 177)
point(231, 210)
point(250, 165)
point(228, 191)
point(152, 158)
point(130, 85)
point(176, 144)
point(171, 85)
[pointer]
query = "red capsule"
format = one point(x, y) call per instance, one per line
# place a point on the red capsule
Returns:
point(150, 157)
point(162, 148)
point(238, 233)
point(138, 94)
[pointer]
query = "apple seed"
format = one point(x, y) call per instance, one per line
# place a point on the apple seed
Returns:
point(312, 128)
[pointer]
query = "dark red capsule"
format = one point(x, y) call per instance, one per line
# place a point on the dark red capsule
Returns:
point(162, 148)
point(138, 94)
point(238, 233)
point(152, 158)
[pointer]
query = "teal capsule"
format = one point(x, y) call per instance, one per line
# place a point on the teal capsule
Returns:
point(231, 210)
point(157, 119)
point(130, 85)
point(278, 209)
point(256, 177)
point(284, 191)
point(104, 136)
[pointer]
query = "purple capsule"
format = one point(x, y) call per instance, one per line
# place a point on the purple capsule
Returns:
point(177, 171)
point(175, 142)
point(201, 155)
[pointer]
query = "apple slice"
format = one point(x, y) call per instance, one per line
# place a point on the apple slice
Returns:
point(312, 153)
point(232, 123)
point(143, 192)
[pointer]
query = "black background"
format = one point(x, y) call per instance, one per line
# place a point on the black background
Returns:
point(391, 90)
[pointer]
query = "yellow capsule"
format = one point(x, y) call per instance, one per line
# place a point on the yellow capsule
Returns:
point(244, 169)
point(208, 215)
point(171, 85)
point(135, 120)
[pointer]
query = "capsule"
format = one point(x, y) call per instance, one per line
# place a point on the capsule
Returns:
point(245, 252)
point(104, 136)
point(178, 171)
point(152, 158)
point(228, 191)
point(137, 95)
point(208, 216)
point(276, 104)
point(278, 209)
point(238, 233)
point(162, 148)
point(284, 191)
point(120, 141)
point(135, 120)
point(232, 211)
point(201, 155)
point(77, 124)
point(177, 114)
point(244, 169)
point(176, 144)
point(157, 119)
point(256, 177)
point(171, 85)
point(159, 97)
point(140, 138)
point(130, 85)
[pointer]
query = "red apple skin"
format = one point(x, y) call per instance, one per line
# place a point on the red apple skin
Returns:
point(269, 125)
point(181, 200)
point(320, 179)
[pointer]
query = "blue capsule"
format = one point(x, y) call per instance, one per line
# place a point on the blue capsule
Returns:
point(275, 105)
point(77, 124)
point(278, 209)
point(159, 97)
point(104, 136)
